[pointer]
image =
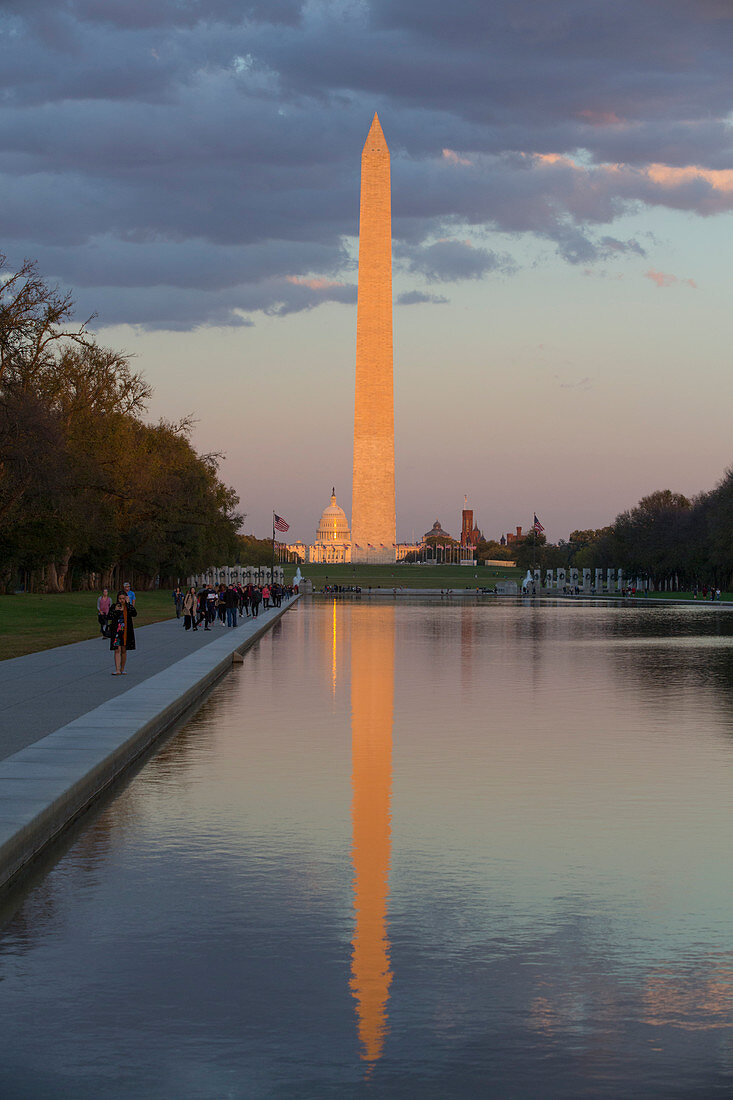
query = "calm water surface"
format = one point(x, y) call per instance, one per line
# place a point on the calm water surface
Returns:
point(405, 850)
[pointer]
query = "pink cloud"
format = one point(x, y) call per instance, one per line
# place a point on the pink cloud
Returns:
point(719, 179)
point(314, 283)
point(662, 279)
point(691, 186)
point(454, 158)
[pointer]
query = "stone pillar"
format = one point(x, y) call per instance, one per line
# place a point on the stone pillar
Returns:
point(586, 580)
point(619, 580)
point(561, 579)
point(573, 578)
point(537, 578)
point(599, 581)
point(549, 580)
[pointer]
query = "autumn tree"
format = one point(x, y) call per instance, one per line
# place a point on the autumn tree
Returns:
point(85, 483)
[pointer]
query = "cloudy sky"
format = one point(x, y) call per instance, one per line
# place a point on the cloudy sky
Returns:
point(562, 179)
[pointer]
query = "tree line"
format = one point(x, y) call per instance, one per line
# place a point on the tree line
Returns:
point(90, 492)
point(672, 540)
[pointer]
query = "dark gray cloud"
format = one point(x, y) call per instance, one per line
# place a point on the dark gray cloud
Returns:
point(419, 297)
point(146, 14)
point(181, 308)
point(450, 261)
point(160, 147)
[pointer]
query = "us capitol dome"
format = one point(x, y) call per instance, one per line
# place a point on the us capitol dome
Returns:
point(333, 536)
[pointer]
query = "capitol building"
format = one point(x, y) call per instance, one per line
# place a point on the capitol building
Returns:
point(333, 540)
point(333, 537)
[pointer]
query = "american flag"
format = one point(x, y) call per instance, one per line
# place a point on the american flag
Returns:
point(537, 525)
point(280, 524)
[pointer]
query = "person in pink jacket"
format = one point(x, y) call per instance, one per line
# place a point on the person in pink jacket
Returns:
point(104, 603)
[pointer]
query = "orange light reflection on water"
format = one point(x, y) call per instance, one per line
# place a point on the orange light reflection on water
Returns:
point(372, 704)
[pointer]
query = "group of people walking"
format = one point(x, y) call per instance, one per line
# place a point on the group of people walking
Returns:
point(225, 603)
point(207, 605)
point(706, 593)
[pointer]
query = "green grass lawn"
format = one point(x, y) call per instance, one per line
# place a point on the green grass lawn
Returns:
point(32, 623)
point(407, 576)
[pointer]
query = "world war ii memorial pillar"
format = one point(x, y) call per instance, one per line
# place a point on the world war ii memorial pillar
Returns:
point(373, 524)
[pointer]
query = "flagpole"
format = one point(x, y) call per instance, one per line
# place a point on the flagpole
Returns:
point(272, 576)
point(534, 542)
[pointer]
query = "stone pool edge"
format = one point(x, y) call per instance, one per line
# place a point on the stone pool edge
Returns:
point(45, 786)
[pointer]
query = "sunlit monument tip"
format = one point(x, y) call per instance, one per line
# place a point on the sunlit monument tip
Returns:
point(373, 526)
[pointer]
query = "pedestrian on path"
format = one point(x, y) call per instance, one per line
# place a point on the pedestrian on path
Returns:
point(190, 610)
point(231, 602)
point(256, 601)
point(211, 599)
point(121, 631)
point(221, 604)
point(131, 597)
point(104, 603)
point(178, 600)
point(266, 596)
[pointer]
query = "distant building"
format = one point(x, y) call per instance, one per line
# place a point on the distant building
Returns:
point(405, 548)
point(333, 536)
point(470, 534)
point(510, 538)
point(437, 532)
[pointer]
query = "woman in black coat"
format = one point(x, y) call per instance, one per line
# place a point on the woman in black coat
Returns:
point(121, 631)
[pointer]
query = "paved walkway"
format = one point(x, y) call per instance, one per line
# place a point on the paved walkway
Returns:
point(43, 691)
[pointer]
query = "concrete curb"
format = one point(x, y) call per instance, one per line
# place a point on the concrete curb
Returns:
point(45, 786)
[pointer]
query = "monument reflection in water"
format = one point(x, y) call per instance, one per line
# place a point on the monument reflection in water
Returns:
point(372, 706)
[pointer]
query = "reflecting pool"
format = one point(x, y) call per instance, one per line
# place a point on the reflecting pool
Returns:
point(409, 850)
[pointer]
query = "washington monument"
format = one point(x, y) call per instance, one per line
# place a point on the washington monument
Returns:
point(373, 527)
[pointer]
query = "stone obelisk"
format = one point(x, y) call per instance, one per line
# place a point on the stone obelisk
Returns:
point(373, 528)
